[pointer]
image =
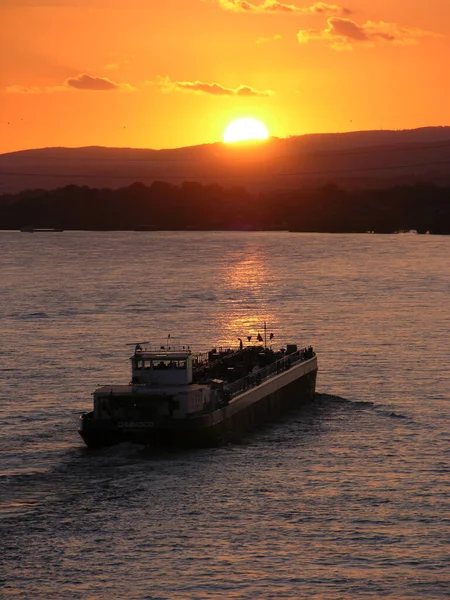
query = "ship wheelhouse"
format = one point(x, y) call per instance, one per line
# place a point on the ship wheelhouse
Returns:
point(161, 367)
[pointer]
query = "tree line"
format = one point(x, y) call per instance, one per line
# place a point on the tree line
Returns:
point(191, 205)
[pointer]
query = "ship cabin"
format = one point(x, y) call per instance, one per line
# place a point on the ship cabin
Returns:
point(162, 367)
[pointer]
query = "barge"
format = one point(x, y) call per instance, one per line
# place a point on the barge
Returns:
point(177, 398)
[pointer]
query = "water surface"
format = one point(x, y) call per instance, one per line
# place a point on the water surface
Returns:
point(345, 499)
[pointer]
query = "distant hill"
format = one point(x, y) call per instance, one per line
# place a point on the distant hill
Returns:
point(364, 159)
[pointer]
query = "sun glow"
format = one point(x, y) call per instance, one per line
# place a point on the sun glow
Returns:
point(245, 129)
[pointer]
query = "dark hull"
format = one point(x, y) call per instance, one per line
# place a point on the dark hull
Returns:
point(222, 426)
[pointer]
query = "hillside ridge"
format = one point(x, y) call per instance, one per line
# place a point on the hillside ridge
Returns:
point(351, 159)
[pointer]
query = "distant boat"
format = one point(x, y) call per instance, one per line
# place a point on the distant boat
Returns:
point(41, 230)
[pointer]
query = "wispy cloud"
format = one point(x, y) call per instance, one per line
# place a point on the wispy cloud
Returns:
point(344, 34)
point(88, 82)
point(273, 6)
point(33, 89)
point(116, 63)
point(112, 66)
point(215, 89)
point(80, 82)
point(271, 38)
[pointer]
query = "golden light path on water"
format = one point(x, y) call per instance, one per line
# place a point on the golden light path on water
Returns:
point(247, 277)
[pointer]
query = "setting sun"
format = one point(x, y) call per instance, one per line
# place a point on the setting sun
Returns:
point(245, 129)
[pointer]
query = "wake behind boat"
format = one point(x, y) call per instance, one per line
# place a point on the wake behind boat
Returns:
point(176, 398)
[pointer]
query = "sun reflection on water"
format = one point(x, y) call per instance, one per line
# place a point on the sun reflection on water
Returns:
point(246, 307)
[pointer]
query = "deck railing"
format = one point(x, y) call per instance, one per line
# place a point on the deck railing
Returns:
point(254, 379)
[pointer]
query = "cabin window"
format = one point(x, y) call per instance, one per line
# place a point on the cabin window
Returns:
point(169, 364)
point(159, 364)
point(162, 364)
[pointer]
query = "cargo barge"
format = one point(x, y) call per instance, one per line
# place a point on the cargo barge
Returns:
point(177, 398)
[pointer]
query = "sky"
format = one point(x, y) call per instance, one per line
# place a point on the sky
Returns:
point(172, 73)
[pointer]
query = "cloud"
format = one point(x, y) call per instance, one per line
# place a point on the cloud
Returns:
point(273, 6)
point(33, 89)
point(112, 67)
point(343, 34)
point(215, 89)
point(80, 82)
point(263, 40)
point(88, 82)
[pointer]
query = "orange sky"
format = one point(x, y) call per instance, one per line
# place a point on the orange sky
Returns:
point(171, 73)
